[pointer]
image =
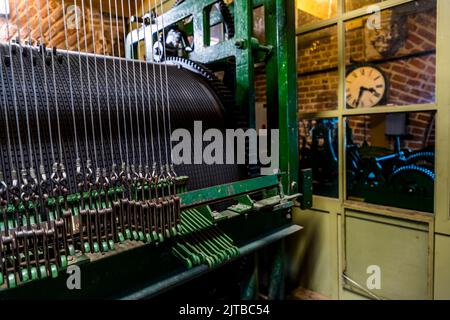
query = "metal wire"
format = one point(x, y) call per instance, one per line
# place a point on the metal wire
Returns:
point(83, 102)
point(121, 87)
point(156, 96)
point(135, 97)
point(102, 145)
point(60, 144)
point(46, 86)
point(74, 121)
point(91, 108)
point(129, 102)
point(107, 82)
point(169, 122)
point(16, 112)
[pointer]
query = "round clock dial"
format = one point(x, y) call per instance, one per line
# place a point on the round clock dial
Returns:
point(365, 87)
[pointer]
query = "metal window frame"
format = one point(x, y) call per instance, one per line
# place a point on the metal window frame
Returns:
point(341, 112)
point(438, 222)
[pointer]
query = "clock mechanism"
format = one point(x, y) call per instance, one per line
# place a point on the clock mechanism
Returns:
point(366, 87)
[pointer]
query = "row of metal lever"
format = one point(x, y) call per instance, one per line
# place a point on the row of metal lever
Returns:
point(202, 242)
point(101, 215)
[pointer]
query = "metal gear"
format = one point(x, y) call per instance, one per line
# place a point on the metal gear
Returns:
point(225, 95)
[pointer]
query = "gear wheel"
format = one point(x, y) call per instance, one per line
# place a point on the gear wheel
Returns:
point(221, 90)
point(414, 185)
point(413, 180)
point(414, 169)
point(427, 156)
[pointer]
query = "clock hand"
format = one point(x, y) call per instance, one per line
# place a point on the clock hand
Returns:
point(361, 92)
point(371, 90)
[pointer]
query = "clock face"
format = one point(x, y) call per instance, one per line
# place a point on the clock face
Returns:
point(365, 87)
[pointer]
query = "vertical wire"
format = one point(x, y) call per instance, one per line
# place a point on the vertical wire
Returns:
point(129, 100)
point(158, 131)
point(16, 109)
point(30, 141)
point(166, 146)
point(102, 146)
point(135, 88)
point(9, 151)
point(94, 142)
point(107, 84)
point(15, 188)
point(80, 66)
point(31, 149)
point(5, 109)
point(74, 121)
point(121, 89)
point(148, 81)
point(42, 168)
point(169, 123)
point(147, 158)
point(134, 82)
point(46, 85)
point(54, 86)
point(161, 62)
point(36, 105)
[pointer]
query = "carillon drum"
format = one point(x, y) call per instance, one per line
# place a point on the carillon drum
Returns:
point(112, 102)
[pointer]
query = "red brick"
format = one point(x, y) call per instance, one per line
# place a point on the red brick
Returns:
point(426, 34)
point(418, 63)
point(399, 78)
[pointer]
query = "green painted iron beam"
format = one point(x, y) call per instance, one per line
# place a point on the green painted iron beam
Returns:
point(281, 68)
point(227, 191)
point(287, 93)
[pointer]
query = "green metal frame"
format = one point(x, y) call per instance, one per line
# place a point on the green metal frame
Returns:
point(232, 190)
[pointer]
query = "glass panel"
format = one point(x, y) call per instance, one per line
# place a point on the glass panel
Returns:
point(394, 63)
point(390, 159)
point(311, 11)
point(318, 76)
point(356, 4)
point(319, 151)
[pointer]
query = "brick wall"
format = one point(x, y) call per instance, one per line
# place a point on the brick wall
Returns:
point(38, 9)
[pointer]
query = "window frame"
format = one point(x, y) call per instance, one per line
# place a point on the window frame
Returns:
point(342, 112)
point(439, 220)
